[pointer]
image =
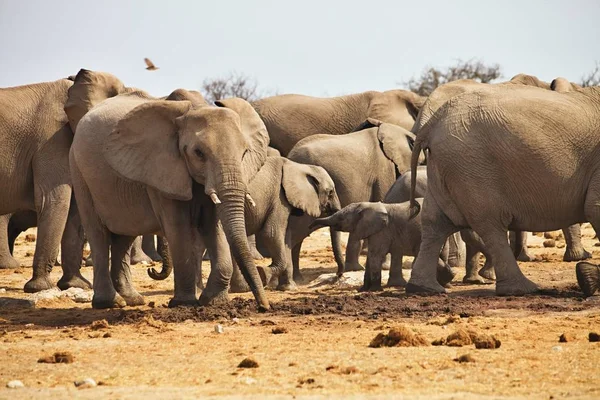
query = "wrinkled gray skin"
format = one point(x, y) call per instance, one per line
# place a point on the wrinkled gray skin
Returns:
point(145, 166)
point(290, 118)
point(34, 176)
point(11, 226)
point(537, 154)
point(574, 250)
point(389, 229)
point(363, 165)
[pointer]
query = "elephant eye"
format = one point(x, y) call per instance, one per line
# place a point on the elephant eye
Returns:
point(198, 153)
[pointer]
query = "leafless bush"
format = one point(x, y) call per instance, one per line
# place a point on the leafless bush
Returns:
point(592, 78)
point(233, 85)
point(432, 77)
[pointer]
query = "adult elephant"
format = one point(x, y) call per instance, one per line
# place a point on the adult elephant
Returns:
point(146, 166)
point(574, 250)
point(534, 167)
point(34, 176)
point(292, 117)
point(363, 166)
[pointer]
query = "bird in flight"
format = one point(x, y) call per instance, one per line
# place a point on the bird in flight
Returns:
point(150, 65)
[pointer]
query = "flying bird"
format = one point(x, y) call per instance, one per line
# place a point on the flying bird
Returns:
point(150, 65)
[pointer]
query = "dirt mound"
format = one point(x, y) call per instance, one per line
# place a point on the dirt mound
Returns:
point(463, 337)
point(399, 336)
point(63, 357)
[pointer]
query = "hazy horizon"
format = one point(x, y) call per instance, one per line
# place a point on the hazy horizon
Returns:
point(317, 48)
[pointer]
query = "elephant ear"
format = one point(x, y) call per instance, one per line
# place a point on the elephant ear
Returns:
point(301, 187)
point(397, 144)
point(255, 131)
point(371, 220)
point(369, 123)
point(144, 148)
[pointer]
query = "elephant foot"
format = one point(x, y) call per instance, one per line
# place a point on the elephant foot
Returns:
point(140, 258)
point(488, 272)
point(183, 302)
point(445, 275)
point(9, 262)
point(370, 288)
point(525, 257)
point(74, 281)
point(287, 287)
point(239, 286)
point(519, 286)
point(111, 301)
point(298, 277)
point(213, 297)
point(577, 254)
point(353, 267)
point(133, 298)
point(395, 281)
point(588, 278)
point(424, 287)
point(37, 284)
point(475, 279)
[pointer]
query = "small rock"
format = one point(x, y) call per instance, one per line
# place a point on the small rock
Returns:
point(549, 243)
point(267, 322)
point(62, 357)
point(99, 324)
point(349, 370)
point(557, 348)
point(2, 290)
point(151, 304)
point(279, 330)
point(30, 238)
point(16, 384)
point(248, 363)
point(594, 337)
point(561, 245)
point(486, 342)
point(550, 235)
point(218, 328)
point(249, 381)
point(566, 337)
point(235, 320)
point(465, 358)
point(86, 383)
point(107, 335)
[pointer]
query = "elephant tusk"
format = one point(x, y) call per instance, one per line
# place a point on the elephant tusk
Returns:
point(250, 199)
point(215, 198)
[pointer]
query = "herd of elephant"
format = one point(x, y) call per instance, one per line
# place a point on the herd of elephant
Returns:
point(87, 157)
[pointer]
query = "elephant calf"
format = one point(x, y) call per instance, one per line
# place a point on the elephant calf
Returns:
point(389, 230)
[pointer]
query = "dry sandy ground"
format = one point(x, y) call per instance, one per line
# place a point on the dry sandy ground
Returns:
point(155, 352)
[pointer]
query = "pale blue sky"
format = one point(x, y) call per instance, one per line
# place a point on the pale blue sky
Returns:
point(321, 48)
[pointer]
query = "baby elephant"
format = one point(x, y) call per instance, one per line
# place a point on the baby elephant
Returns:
point(389, 230)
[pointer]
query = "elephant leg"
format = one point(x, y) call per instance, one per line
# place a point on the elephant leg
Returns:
point(221, 269)
point(137, 254)
point(436, 227)
point(105, 295)
point(7, 261)
point(575, 250)
point(52, 217)
point(396, 279)
point(72, 251)
point(297, 275)
point(378, 248)
point(524, 255)
point(238, 283)
point(120, 272)
point(255, 253)
point(280, 249)
point(474, 245)
point(352, 253)
point(149, 247)
point(510, 279)
point(456, 251)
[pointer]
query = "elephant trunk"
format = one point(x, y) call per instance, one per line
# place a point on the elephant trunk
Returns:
point(167, 267)
point(232, 194)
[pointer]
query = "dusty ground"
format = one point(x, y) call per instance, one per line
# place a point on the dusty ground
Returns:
point(323, 351)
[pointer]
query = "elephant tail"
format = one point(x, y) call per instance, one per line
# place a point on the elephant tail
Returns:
point(167, 267)
point(419, 145)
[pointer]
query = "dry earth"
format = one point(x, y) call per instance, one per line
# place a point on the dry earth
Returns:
point(322, 345)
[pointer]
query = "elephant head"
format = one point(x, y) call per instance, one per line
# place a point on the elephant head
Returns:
point(89, 89)
point(562, 85)
point(169, 145)
point(529, 80)
point(309, 188)
point(360, 219)
point(398, 107)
